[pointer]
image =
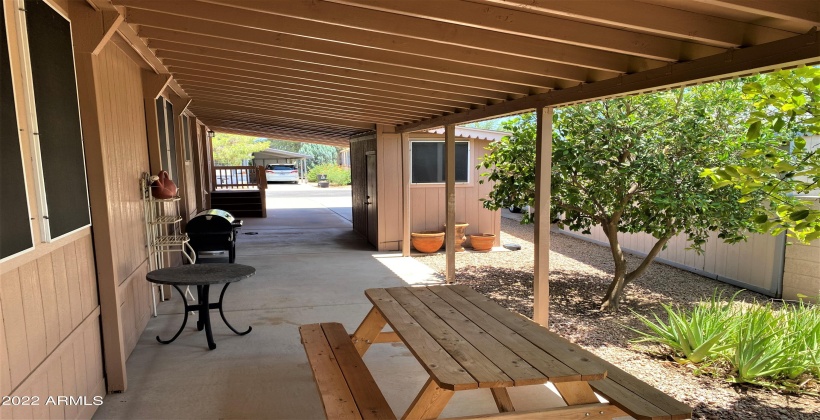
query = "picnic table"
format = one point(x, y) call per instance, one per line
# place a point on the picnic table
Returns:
point(466, 341)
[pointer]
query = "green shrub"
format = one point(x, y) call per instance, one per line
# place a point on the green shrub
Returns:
point(336, 175)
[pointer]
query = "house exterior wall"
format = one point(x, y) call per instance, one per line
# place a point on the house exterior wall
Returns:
point(49, 313)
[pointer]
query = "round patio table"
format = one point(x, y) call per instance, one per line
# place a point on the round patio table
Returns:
point(202, 276)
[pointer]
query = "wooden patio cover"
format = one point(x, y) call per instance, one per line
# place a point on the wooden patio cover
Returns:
point(321, 71)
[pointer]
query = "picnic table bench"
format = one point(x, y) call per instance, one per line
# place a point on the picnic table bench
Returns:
point(464, 341)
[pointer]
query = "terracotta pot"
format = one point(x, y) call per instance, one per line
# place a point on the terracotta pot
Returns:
point(460, 238)
point(427, 242)
point(482, 241)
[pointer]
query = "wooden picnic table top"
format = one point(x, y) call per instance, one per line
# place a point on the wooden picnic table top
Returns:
point(465, 340)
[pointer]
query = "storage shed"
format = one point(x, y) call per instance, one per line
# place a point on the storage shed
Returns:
point(381, 197)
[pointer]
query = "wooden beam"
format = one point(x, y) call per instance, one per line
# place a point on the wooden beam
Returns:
point(201, 92)
point(405, 185)
point(385, 22)
point(373, 47)
point(262, 121)
point(294, 116)
point(309, 89)
point(153, 84)
point(450, 196)
point(786, 53)
point(459, 93)
point(92, 29)
point(543, 171)
point(280, 121)
point(274, 70)
point(416, 36)
point(166, 39)
point(244, 20)
point(656, 19)
point(211, 85)
point(806, 12)
point(544, 27)
point(280, 79)
point(291, 137)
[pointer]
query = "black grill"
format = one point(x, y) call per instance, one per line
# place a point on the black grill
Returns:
point(213, 232)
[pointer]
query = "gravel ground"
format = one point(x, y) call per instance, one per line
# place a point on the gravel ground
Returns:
point(578, 280)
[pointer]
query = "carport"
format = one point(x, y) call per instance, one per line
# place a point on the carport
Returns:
point(153, 78)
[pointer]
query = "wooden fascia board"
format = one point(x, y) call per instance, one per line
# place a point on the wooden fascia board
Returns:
point(802, 11)
point(790, 52)
point(294, 116)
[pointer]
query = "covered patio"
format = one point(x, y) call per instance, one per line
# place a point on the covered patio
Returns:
point(97, 93)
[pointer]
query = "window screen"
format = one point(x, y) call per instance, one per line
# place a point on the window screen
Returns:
point(58, 119)
point(428, 162)
point(186, 135)
point(14, 216)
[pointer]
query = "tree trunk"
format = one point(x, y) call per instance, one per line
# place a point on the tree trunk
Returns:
point(619, 281)
point(615, 292)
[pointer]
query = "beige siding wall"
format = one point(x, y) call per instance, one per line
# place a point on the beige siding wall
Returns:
point(49, 334)
point(752, 263)
point(126, 158)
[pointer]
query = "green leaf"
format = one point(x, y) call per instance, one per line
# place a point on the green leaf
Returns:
point(761, 218)
point(799, 215)
point(754, 131)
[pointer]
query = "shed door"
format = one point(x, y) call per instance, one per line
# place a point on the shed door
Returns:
point(370, 202)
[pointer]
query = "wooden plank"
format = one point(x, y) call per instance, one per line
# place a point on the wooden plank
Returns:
point(33, 312)
point(575, 393)
point(429, 403)
point(61, 289)
point(577, 358)
point(629, 401)
point(73, 280)
point(552, 368)
point(368, 330)
point(366, 392)
point(429, 353)
point(502, 400)
point(510, 363)
point(459, 349)
point(15, 324)
point(336, 396)
point(55, 387)
point(45, 272)
point(387, 337)
point(69, 384)
point(588, 411)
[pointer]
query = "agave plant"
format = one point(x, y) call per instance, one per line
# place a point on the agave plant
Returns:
point(763, 348)
point(697, 335)
point(802, 334)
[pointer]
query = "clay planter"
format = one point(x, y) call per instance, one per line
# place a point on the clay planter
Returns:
point(482, 242)
point(460, 238)
point(427, 242)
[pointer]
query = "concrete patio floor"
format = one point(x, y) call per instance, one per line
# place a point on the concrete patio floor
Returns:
point(311, 267)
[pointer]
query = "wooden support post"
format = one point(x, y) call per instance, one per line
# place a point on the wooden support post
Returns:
point(429, 403)
point(90, 36)
point(405, 175)
point(543, 169)
point(450, 192)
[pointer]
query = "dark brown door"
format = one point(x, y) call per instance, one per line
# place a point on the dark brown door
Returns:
point(370, 202)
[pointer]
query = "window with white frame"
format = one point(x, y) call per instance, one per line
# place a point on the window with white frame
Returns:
point(427, 162)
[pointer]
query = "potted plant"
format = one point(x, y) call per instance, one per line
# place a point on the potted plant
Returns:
point(428, 241)
point(482, 241)
point(460, 238)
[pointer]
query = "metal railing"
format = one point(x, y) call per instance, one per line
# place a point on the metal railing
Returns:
point(239, 178)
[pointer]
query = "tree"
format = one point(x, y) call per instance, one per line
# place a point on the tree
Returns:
point(232, 150)
point(632, 165)
point(320, 154)
point(286, 145)
point(784, 171)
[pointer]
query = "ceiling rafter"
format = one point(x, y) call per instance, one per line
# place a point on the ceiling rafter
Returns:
point(285, 126)
point(200, 74)
point(802, 11)
point(246, 61)
point(287, 115)
point(267, 73)
point(655, 19)
point(160, 37)
point(440, 64)
point(273, 135)
point(522, 23)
